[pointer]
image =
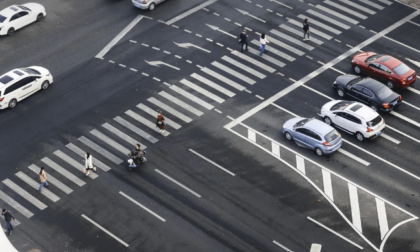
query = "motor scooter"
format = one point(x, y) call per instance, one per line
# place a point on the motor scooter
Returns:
point(136, 162)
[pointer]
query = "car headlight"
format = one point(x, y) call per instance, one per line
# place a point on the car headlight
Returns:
point(352, 61)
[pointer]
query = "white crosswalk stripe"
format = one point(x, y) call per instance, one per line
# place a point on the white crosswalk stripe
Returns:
point(136, 130)
point(109, 141)
point(319, 24)
point(122, 135)
point(328, 19)
point(144, 121)
point(212, 84)
point(254, 62)
point(154, 113)
point(191, 97)
point(169, 109)
point(32, 183)
point(346, 9)
point(13, 203)
point(233, 72)
point(202, 91)
point(286, 46)
point(180, 103)
point(382, 217)
point(242, 66)
point(272, 50)
point(78, 165)
point(385, 2)
point(300, 33)
point(362, 8)
point(337, 14)
point(86, 141)
point(53, 165)
point(355, 209)
point(377, 6)
point(19, 190)
point(96, 162)
point(223, 79)
point(293, 40)
point(266, 57)
point(52, 180)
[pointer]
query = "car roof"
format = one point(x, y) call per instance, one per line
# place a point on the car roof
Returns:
point(318, 126)
point(13, 74)
point(363, 111)
point(9, 11)
point(371, 84)
point(389, 61)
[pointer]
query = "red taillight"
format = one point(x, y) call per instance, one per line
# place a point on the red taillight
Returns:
point(1, 99)
point(383, 120)
point(144, 2)
point(369, 129)
point(326, 143)
point(385, 105)
point(400, 98)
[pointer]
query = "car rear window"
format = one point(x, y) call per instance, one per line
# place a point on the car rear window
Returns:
point(384, 92)
point(401, 69)
point(30, 71)
point(330, 137)
point(6, 79)
point(374, 122)
point(2, 18)
point(373, 57)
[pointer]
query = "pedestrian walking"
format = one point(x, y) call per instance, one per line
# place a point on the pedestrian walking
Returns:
point(263, 42)
point(89, 164)
point(43, 179)
point(8, 218)
point(306, 30)
point(160, 122)
point(243, 41)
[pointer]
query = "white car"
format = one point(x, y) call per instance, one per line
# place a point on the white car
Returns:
point(146, 4)
point(18, 16)
point(354, 118)
point(20, 83)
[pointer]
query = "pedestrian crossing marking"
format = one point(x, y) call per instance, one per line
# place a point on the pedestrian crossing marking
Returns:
point(111, 142)
point(212, 85)
point(328, 19)
point(78, 165)
point(326, 178)
point(32, 183)
point(233, 72)
point(82, 153)
point(180, 103)
point(274, 51)
point(385, 2)
point(154, 113)
point(13, 203)
point(275, 149)
point(312, 31)
point(337, 14)
point(52, 180)
point(355, 209)
point(144, 121)
point(300, 164)
point(53, 165)
point(19, 190)
point(122, 135)
point(345, 9)
point(383, 220)
point(222, 78)
point(266, 57)
point(293, 40)
point(322, 25)
point(362, 8)
point(136, 130)
point(300, 33)
point(202, 91)
point(89, 143)
point(377, 6)
point(192, 97)
point(286, 46)
point(253, 61)
point(169, 109)
point(244, 67)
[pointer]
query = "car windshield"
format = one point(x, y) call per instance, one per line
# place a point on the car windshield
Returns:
point(384, 92)
point(401, 69)
point(373, 57)
point(330, 137)
point(24, 8)
point(354, 81)
point(374, 122)
point(302, 122)
point(2, 18)
point(30, 71)
point(341, 105)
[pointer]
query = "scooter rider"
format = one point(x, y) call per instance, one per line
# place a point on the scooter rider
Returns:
point(137, 154)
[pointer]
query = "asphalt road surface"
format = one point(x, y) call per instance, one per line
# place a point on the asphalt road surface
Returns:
point(222, 177)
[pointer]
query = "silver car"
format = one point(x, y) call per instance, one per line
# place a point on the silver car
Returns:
point(312, 134)
point(146, 4)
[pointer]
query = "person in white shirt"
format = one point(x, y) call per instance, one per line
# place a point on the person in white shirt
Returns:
point(263, 41)
point(88, 163)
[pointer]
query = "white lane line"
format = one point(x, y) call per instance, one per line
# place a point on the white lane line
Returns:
point(19, 190)
point(269, 10)
point(86, 141)
point(134, 70)
point(337, 234)
point(373, 31)
point(189, 61)
point(283, 247)
point(191, 97)
point(390, 138)
point(142, 206)
point(227, 19)
point(361, 26)
point(322, 25)
point(144, 121)
point(110, 61)
point(218, 111)
point(180, 103)
point(413, 23)
point(174, 26)
point(34, 184)
point(238, 24)
point(205, 9)
point(219, 44)
point(198, 35)
point(337, 14)
point(312, 30)
point(249, 29)
point(291, 39)
point(214, 13)
point(82, 153)
point(384, 240)
point(13, 203)
point(274, 51)
point(122, 135)
point(209, 39)
point(211, 162)
point(78, 165)
point(248, 91)
point(202, 91)
point(413, 90)
point(259, 5)
point(169, 109)
point(109, 141)
point(300, 164)
point(145, 74)
point(293, 80)
point(177, 56)
point(326, 178)
point(383, 221)
point(259, 97)
point(213, 85)
point(189, 12)
point(359, 7)
point(338, 71)
point(185, 30)
point(331, 20)
point(199, 66)
point(355, 209)
point(252, 136)
point(309, 57)
point(275, 149)
point(167, 84)
point(412, 48)
point(231, 118)
point(345, 9)
point(108, 47)
point(106, 231)
point(63, 171)
point(178, 183)
point(157, 49)
point(166, 52)
point(121, 65)
point(402, 133)
point(154, 113)
point(349, 46)
point(277, 2)
point(132, 41)
point(354, 157)
point(233, 72)
point(136, 130)
point(223, 79)
point(411, 105)
point(254, 62)
point(278, 14)
point(146, 45)
point(51, 180)
point(368, 2)
point(405, 118)
point(244, 67)
point(156, 79)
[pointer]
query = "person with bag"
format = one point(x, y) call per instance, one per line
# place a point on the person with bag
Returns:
point(8, 218)
point(89, 164)
point(43, 179)
point(263, 42)
point(306, 30)
point(160, 122)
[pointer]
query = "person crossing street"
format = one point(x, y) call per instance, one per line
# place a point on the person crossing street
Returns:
point(263, 42)
point(43, 179)
point(306, 30)
point(160, 122)
point(243, 41)
point(88, 163)
point(8, 218)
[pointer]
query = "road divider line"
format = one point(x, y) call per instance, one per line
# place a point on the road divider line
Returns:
point(390, 138)
point(281, 246)
point(402, 133)
point(189, 12)
point(300, 164)
point(326, 178)
point(355, 209)
point(352, 156)
point(178, 183)
point(142, 206)
point(211, 162)
point(383, 221)
point(106, 231)
point(405, 118)
point(381, 248)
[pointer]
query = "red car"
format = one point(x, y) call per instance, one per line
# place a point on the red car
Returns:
point(384, 68)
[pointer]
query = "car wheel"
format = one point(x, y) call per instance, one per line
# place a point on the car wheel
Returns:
point(357, 69)
point(390, 84)
point(12, 103)
point(360, 136)
point(319, 152)
point(40, 17)
point(327, 120)
point(288, 136)
point(152, 6)
point(45, 85)
point(11, 31)
point(374, 107)
point(340, 92)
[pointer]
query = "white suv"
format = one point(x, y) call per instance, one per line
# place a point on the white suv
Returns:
point(354, 118)
point(20, 83)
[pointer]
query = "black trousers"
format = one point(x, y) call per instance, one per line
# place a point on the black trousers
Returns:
point(242, 46)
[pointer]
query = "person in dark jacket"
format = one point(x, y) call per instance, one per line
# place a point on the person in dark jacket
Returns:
point(8, 218)
point(306, 29)
point(243, 41)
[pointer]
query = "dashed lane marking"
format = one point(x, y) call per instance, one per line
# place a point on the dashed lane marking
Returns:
point(142, 206)
point(106, 231)
point(178, 183)
point(211, 162)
